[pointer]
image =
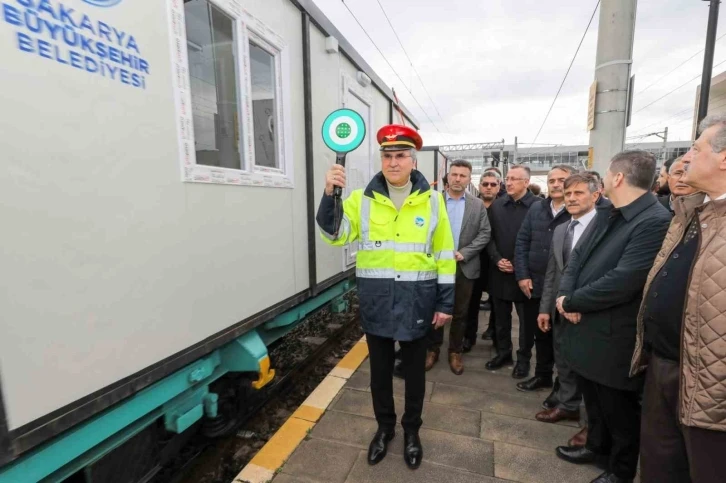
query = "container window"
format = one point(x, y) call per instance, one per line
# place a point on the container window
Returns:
point(213, 66)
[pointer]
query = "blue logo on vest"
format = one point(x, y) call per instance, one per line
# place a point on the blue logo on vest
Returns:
point(419, 221)
point(102, 3)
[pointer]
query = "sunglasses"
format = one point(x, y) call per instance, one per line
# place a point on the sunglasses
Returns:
point(489, 185)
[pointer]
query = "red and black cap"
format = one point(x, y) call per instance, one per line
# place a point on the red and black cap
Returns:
point(395, 137)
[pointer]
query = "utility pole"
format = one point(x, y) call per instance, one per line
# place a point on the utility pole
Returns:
point(505, 165)
point(514, 158)
point(616, 33)
point(708, 59)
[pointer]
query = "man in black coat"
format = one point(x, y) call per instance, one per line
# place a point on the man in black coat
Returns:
point(600, 296)
point(488, 191)
point(531, 254)
point(506, 217)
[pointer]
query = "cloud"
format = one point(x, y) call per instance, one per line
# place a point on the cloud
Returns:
point(493, 68)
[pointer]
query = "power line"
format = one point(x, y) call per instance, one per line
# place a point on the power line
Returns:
point(568, 70)
point(389, 65)
point(412, 66)
point(674, 90)
point(677, 67)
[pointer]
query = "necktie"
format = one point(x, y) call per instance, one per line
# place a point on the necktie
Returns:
point(567, 245)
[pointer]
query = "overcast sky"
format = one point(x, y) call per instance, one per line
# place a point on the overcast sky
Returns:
point(493, 67)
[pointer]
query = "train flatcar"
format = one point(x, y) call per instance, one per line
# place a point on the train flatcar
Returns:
point(162, 167)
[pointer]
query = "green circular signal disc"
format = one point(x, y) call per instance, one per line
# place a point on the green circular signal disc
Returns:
point(343, 130)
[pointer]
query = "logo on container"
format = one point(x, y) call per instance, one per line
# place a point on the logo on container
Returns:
point(102, 3)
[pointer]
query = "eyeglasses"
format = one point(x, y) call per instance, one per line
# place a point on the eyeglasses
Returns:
point(397, 157)
point(489, 185)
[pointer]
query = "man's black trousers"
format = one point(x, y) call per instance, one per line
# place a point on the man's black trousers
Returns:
point(535, 337)
point(413, 363)
point(613, 425)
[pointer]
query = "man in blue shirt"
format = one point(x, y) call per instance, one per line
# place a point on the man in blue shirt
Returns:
point(470, 228)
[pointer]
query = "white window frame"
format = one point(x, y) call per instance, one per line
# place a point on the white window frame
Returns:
point(246, 28)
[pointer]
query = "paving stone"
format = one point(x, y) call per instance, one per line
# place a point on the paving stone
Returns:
point(365, 366)
point(527, 465)
point(359, 380)
point(285, 478)
point(308, 461)
point(394, 470)
point(435, 416)
point(456, 451)
point(481, 380)
point(346, 428)
point(524, 432)
point(517, 406)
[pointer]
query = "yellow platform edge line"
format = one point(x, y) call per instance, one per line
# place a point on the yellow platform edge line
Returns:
point(286, 440)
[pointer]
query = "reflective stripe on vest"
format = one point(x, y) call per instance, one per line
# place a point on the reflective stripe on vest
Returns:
point(398, 276)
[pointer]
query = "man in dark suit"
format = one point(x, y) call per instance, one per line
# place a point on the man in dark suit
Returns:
point(531, 253)
point(581, 193)
point(507, 215)
point(600, 295)
point(470, 227)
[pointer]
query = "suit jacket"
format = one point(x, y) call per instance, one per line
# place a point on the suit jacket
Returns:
point(556, 266)
point(604, 282)
point(475, 234)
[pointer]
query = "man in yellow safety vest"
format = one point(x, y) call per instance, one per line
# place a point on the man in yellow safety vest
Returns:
point(405, 271)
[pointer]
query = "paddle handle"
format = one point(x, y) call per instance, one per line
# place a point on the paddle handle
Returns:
point(339, 159)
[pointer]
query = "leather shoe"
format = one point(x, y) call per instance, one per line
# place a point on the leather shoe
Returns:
point(379, 446)
point(499, 361)
point(398, 370)
point(455, 363)
point(556, 415)
point(578, 440)
point(432, 357)
point(412, 450)
point(534, 384)
point(521, 370)
point(551, 402)
point(578, 455)
point(468, 344)
point(611, 478)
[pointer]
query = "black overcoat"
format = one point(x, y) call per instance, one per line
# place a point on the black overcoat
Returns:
point(506, 217)
point(604, 282)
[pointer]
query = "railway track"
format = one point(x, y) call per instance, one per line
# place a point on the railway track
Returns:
point(301, 360)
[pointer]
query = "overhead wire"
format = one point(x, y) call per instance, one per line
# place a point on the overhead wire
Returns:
point(415, 71)
point(676, 68)
point(391, 67)
point(568, 70)
point(674, 90)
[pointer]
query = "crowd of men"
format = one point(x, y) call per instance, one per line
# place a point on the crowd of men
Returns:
point(621, 291)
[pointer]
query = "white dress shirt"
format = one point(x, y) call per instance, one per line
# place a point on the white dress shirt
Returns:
point(581, 225)
point(708, 198)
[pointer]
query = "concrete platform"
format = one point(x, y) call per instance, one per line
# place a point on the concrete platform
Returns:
point(476, 428)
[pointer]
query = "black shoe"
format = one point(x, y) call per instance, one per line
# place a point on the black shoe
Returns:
point(551, 402)
point(534, 384)
point(398, 370)
point(468, 344)
point(379, 445)
point(521, 370)
point(412, 450)
point(578, 455)
point(499, 361)
point(611, 478)
point(487, 335)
